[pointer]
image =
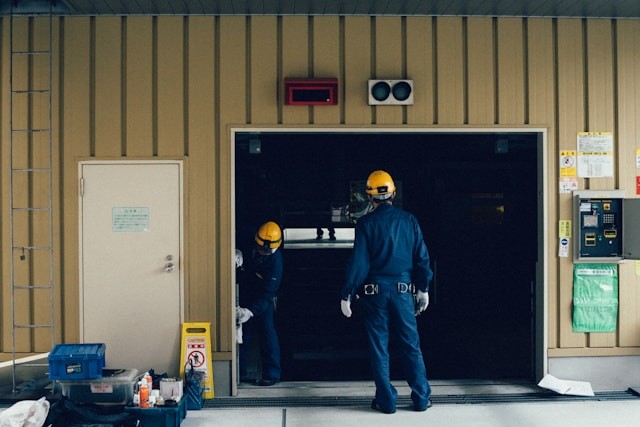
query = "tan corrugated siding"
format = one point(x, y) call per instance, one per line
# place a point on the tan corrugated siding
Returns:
point(200, 292)
point(420, 54)
point(138, 85)
point(600, 113)
point(295, 63)
point(166, 86)
point(542, 109)
point(480, 72)
point(263, 71)
point(170, 87)
point(510, 71)
point(388, 63)
point(232, 68)
point(107, 59)
point(39, 266)
point(21, 155)
point(75, 141)
point(450, 71)
point(570, 105)
point(357, 59)
point(627, 64)
point(5, 292)
point(326, 63)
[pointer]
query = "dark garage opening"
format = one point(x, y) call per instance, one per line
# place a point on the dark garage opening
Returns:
point(476, 197)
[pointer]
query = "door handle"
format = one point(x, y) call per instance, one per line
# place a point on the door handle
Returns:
point(169, 267)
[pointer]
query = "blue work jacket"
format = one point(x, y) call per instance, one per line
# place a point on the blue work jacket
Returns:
point(264, 274)
point(388, 248)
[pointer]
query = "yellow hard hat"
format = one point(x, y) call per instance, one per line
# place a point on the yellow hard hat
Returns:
point(380, 185)
point(269, 236)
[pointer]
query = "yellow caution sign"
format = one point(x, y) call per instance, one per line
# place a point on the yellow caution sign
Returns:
point(196, 353)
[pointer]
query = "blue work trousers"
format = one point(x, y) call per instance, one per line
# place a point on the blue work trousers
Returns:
point(390, 311)
point(263, 328)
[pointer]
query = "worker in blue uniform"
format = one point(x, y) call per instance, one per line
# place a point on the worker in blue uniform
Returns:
point(258, 293)
point(388, 264)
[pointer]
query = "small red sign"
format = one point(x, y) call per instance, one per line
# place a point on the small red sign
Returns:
point(638, 185)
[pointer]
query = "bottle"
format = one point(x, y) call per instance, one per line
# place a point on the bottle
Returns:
point(144, 394)
point(149, 379)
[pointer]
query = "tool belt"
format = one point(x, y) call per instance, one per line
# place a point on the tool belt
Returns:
point(402, 288)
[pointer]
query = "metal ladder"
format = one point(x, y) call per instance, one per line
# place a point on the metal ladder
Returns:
point(31, 184)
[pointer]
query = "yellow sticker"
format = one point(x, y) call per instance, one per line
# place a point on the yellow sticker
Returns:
point(568, 163)
point(564, 227)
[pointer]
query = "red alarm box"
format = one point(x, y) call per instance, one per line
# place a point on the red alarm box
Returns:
point(310, 91)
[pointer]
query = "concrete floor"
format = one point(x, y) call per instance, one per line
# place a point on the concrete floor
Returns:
point(578, 414)
point(558, 411)
point(497, 404)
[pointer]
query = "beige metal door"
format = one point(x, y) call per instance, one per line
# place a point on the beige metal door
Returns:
point(131, 290)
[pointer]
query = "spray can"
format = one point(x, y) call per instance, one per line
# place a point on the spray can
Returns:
point(144, 394)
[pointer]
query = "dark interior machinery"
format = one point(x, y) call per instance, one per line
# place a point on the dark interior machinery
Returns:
point(476, 197)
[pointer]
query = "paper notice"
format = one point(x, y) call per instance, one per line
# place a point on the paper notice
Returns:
point(574, 388)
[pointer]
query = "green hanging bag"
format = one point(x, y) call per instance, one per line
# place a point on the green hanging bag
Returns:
point(595, 297)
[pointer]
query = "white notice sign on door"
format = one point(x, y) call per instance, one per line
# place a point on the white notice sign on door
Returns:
point(130, 219)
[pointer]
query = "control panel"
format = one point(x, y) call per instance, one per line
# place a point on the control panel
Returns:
point(598, 221)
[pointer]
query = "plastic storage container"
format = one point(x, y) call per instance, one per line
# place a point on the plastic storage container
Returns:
point(114, 387)
point(166, 416)
point(76, 361)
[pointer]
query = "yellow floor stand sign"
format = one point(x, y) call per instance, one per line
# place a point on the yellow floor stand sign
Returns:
point(196, 352)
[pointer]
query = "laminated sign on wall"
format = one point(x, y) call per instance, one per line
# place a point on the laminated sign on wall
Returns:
point(595, 297)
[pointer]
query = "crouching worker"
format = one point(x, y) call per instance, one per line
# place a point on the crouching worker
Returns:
point(258, 292)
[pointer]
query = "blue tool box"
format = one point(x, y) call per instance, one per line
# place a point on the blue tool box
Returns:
point(160, 416)
point(76, 361)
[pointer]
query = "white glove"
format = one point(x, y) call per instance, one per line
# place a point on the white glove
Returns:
point(423, 301)
point(243, 314)
point(239, 259)
point(345, 306)
point(239, 333)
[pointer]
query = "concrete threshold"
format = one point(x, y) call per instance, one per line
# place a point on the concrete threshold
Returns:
point(367, 388)
point(359, 394)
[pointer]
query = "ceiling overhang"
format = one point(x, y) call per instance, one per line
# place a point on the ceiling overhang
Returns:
point(513, 8)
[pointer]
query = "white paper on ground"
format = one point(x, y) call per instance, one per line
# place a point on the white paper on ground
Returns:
point(574, 388)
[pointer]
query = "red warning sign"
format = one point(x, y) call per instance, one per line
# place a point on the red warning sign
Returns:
point(195, 358)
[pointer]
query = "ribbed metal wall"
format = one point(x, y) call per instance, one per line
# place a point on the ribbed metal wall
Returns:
point(171, 87)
